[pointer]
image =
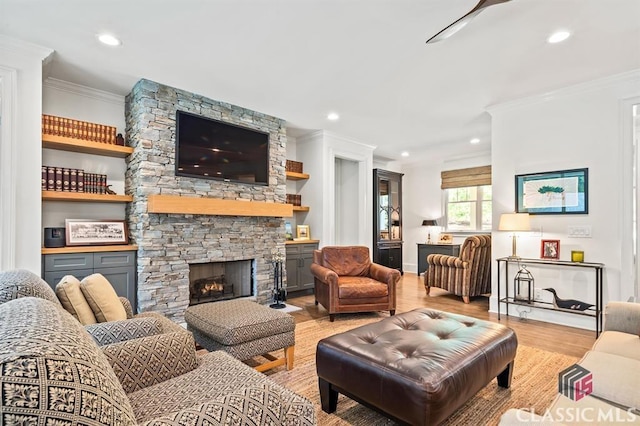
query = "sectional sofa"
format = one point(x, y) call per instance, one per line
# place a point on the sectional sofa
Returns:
point(614, 363)
point(54, 372)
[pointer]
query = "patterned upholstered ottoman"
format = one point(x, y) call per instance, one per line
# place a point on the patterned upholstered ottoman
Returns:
point(244, 329)
point(417, 367)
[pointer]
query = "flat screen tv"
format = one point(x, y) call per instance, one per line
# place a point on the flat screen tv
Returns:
point(211, 149)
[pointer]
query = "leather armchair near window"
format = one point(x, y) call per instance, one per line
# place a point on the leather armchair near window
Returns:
point(467, 275)
point(347, 281)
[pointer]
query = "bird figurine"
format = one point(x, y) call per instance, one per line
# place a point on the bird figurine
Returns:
point(568, 303)
point(110, 191)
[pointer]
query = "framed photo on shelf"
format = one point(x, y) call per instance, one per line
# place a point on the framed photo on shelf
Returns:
point(288, 233)
point(550, 249)
point(302, 232)
point(559, 192)
point(88, 232)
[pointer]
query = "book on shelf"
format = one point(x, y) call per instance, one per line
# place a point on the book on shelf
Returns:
point(73, 180)
point(80, 177)
point(70, 128)
point(51, 178)
point(58, 174)
point(66, 185)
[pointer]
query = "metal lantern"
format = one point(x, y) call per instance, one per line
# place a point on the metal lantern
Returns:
point(523, 285)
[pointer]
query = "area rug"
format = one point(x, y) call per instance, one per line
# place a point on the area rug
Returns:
point(534, 383)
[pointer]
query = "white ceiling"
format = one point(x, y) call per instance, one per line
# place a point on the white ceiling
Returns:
point(365, 59)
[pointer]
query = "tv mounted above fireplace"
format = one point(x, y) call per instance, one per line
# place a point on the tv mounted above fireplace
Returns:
point(210, 149)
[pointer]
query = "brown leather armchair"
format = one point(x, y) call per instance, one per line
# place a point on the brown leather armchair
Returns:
point(347, 281)
point(467, 275)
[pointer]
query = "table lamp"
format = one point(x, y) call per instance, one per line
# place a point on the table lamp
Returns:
point(429, 223)
point(514, 222)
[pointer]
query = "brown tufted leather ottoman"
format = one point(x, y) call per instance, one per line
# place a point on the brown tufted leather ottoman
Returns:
point(417, 367)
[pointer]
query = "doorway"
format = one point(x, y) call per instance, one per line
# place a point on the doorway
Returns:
point(347, 202)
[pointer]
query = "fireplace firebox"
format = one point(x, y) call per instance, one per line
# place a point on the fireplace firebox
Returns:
point(210, 282)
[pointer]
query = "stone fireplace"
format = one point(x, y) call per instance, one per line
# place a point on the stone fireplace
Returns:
point(214, 281)
point(168, 243)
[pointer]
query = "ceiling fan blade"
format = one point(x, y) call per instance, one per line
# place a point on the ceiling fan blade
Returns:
point(462, 22)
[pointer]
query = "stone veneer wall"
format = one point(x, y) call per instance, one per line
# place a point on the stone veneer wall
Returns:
point(167, 243)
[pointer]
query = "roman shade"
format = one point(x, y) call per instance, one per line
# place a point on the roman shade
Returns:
point(474, 176)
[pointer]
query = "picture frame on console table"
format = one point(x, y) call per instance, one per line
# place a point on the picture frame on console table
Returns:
point(558, 192)
point(88, 232)
point(550, 249)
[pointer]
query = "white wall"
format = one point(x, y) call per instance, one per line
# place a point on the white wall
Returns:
point(422, 199)
point(70, 100)
point(575, 127)
point(22, 212)
point(310, 151)
point(318, 151)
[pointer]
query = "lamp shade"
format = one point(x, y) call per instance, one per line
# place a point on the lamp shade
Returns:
point(514, 222)
point(429, 222)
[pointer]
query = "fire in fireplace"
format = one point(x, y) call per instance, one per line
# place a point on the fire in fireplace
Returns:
point(212, 286)
point(209, 282)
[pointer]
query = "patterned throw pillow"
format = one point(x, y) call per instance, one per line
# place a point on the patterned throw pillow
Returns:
point(72, 299)
point(106, 333)
point(140, 363)
point(52, 371)
point(102, 298)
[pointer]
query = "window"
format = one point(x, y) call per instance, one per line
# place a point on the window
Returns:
point(468, 208)
point(467, 199)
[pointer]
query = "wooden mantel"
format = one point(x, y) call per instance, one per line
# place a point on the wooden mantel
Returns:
point(176, 204)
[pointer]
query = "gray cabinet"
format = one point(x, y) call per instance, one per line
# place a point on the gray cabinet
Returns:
point(119, 267)
point(298, 264)
point(425, 250)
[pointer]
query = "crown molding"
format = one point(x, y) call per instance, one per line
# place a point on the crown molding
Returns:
point(24, 48)
point(87, 92)
point(311, 136)
point(628, 77)
point(322, 134)
point(346, 139)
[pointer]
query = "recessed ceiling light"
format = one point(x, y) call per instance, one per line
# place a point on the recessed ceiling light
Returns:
point(109, 40)
point(474, 141)
point(333, 116)
point(558, 36)
point(404, 153)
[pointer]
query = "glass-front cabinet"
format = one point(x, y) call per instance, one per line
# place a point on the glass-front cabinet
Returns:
point(387, 218)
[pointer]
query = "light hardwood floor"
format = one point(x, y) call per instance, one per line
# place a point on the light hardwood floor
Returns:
point(411, 294)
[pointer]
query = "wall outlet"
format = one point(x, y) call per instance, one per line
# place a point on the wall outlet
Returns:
point(579, 231)
point(537, 294)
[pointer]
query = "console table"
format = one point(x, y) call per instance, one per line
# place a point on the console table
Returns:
point(595, 312)
point(425, 250)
